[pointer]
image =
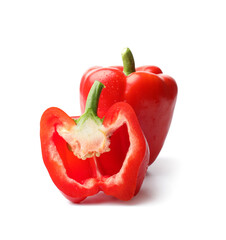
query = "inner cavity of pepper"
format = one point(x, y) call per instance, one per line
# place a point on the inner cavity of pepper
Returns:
point(106, 163)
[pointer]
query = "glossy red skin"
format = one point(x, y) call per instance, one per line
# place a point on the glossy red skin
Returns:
point(151, 94)
point(78, 179)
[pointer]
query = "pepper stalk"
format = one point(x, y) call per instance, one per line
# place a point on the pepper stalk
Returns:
point(128, 61)
point(88, 137)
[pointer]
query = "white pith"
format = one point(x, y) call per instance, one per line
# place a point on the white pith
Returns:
point(90, 139)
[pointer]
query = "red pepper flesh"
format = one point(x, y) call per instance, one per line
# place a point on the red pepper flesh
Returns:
point(151, 93)
point(119, 171)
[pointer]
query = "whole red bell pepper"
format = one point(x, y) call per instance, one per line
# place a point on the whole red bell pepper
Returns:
point(151, 93)
point(86, 155)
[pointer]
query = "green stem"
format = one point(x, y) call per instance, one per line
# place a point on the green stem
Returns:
point(93, 97)
point(128, 62)
point(92, 104)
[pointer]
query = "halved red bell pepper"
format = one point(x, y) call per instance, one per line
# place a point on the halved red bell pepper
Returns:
point(86, 155)
point(151, 93)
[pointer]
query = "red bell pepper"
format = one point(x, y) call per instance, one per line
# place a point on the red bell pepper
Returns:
point(151, 93)
point(86, 155)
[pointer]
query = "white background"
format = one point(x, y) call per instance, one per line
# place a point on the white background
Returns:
point(45, 47)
